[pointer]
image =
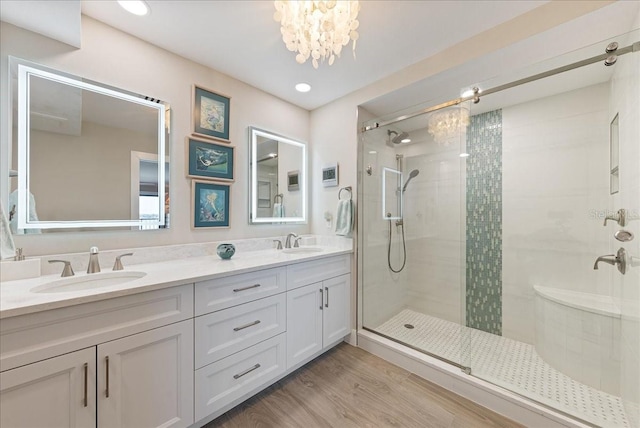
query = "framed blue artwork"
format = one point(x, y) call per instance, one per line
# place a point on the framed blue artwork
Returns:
point(210, 160)
point(210, 114)
point(210, 204)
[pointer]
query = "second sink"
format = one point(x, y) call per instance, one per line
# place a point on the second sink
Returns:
point(88, 282)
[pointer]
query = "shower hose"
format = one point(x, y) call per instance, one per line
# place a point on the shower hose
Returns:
point(404, 250)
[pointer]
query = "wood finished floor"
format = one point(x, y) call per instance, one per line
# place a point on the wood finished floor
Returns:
point(349, 387)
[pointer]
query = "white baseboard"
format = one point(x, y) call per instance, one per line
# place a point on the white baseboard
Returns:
point(453, 379)
point(352, 338)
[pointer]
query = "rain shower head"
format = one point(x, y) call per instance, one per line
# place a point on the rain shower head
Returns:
point(397, 138)
point(412, 175)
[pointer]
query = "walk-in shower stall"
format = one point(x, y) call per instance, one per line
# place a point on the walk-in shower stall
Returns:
point(481, 220)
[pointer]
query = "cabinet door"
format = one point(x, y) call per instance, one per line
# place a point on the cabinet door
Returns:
point(336, 320)
point(58, 392)
point(146, 380)
point(304, 323)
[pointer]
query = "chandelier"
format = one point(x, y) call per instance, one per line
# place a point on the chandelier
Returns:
point(445, 125)
point(317, 28)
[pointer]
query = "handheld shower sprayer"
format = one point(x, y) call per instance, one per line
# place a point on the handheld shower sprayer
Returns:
point(413, 174)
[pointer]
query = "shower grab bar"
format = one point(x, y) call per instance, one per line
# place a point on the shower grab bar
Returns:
point(348, 189)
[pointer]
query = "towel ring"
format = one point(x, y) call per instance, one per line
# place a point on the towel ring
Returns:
point(348, 189)
point(275, 198)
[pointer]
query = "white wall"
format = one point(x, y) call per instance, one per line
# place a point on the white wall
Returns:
point(555, 174)
point(433, 206)
point(102, 155)
point(115, 58)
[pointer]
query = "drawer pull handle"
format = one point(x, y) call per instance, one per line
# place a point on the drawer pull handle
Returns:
point(106, 360)
point(242, 327)
point(235, 290)
point(321, 299)
point(326, 290)
point(86, 381)
point(239, 375)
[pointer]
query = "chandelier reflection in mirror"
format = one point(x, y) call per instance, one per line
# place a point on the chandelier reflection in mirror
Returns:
point(317, 29)
point(445, 125)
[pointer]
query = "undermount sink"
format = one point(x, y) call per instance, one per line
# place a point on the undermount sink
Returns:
point(302, 250)
point(88, 282)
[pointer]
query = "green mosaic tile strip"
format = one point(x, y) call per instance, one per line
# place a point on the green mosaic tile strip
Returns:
point(484, 223)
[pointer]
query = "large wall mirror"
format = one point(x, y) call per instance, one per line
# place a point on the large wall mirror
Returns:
point(278, 181)
point(84, 155)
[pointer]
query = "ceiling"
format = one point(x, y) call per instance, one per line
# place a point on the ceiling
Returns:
point(241, 39)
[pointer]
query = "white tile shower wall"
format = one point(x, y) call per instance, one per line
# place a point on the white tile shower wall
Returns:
point(579, 343)
point(625, 100)
point(384, 293)
point(553, 149)
point(433, 228)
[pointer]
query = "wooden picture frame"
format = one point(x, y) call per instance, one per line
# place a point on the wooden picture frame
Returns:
point(208, 160)
point(210, 203)
point(210, 114)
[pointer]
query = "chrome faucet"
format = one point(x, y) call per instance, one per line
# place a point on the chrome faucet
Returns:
point(287, 243)
point(67, 270)
point(619, 259)
point(94, 263)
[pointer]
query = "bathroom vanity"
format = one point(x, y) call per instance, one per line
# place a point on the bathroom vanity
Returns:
point(178, 346)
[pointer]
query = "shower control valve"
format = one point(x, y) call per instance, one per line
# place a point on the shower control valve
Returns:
point(619, 259)
point(620, 217)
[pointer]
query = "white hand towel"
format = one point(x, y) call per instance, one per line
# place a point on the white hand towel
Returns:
point(278, 210)
point(344, 218)
point(33, 215)
point(7, 247)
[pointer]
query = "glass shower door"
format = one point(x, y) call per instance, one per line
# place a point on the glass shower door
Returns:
point(544, 323)
point(410, 235)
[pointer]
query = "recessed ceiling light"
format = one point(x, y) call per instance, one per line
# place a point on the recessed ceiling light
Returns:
point(137, 7)
point(464, 155)
point(405, 140)
point(303, 87)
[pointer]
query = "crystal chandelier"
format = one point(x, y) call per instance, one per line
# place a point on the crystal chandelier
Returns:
point(317, 28)
point(445, 125)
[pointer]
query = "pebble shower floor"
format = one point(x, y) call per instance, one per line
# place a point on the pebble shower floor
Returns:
point(508, 363)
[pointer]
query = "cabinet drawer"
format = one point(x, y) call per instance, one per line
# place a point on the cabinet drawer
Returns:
point(28, 338)
point(306, 273)
point(225, 332)
point(222, 293)
point(229, 379)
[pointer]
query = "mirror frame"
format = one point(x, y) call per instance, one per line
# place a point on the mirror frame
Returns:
point(25, 69)
point(254, 133)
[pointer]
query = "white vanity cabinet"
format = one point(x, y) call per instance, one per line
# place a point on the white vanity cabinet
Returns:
point(57, 392)
point(172, 357)
point(239, 337)
point(146, 380)
point(145, 365)
point(317, 313)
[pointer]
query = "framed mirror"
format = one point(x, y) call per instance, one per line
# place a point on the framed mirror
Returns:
point(278, 178)
point(84, 155)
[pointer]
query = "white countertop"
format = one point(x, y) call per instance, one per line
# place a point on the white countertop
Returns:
point(17, 299)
